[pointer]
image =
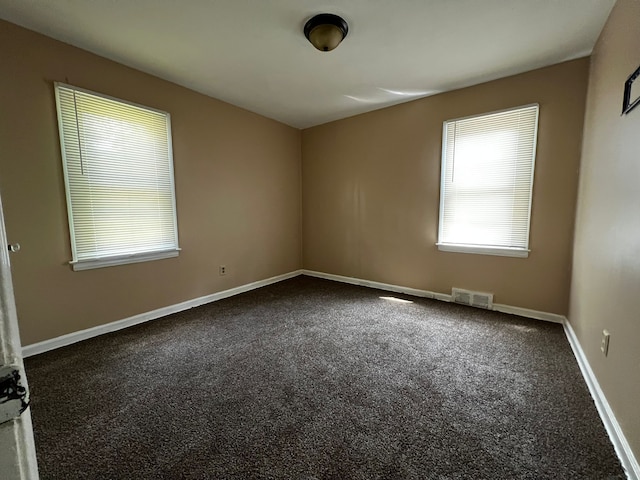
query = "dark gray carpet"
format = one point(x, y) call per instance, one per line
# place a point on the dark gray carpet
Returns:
point(311, 379)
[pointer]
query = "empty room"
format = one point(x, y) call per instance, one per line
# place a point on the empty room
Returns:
point(299, 239)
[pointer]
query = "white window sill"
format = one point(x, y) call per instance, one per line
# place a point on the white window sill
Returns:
point(122, 259)
point(482, 250)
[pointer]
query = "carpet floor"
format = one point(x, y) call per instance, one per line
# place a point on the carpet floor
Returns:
point(312, 379)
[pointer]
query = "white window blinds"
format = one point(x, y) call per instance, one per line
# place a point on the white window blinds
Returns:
point(487, 178)
point(118, 170)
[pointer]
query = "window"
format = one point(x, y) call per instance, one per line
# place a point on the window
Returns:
point(118, 171)
point(487, 177)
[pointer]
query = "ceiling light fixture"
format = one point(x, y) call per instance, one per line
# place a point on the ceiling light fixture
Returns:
point(325, 31)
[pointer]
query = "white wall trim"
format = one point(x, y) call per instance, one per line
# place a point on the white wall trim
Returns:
point(523, 312)
point(482, 250)
point(627, 458)
point(78, 336)
point(529, 313)
point(622, 448)
point(381, 286)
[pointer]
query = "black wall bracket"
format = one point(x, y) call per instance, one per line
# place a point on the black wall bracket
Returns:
point(631, 95)
point(14, 395)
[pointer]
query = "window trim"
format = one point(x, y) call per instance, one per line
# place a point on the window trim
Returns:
point(114, 260)
point(484, 250)
point(479, 248)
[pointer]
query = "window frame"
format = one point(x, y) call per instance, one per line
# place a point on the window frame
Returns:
point(123, 259)
point(494, 250)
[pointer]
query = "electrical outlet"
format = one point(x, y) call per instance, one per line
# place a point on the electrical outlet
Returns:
point(223, 269)
point(604, 343)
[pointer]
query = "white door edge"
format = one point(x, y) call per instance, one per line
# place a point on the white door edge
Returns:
point(17, 452)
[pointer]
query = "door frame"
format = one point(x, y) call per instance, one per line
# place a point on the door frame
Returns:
point(17, 448)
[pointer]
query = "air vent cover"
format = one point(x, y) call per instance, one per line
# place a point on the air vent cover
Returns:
point(474, 299)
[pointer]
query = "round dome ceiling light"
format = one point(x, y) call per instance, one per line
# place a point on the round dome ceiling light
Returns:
point(325, 31)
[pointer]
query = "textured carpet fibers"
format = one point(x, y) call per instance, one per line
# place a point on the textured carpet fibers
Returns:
point(312, 379)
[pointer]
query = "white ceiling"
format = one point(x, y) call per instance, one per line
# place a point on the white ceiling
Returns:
point(252, 53)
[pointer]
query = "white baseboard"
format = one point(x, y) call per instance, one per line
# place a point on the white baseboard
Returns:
point(380, 286)
point(612, 426)
point(618, 439)
point(74, 337)
point(68, 339)
point(523, 312)
point(627, 458)
point(529, 313)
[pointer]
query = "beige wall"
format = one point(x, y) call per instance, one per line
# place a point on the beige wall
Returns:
point(371, 192)
point(370, 198)
point(605, 292)
point(237, 192)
